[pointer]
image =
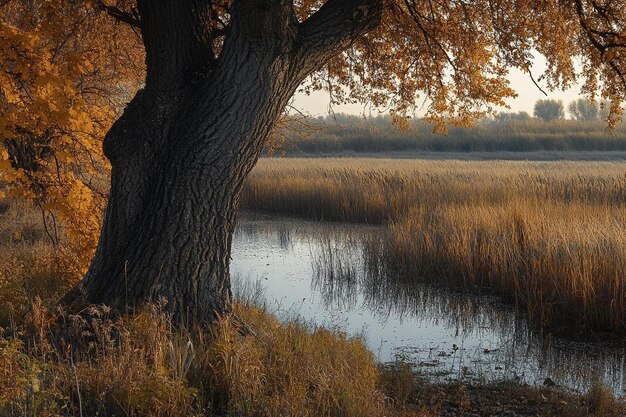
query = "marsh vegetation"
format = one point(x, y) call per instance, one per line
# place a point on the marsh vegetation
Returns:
point(332, 274)
point(550, 237)
point(342, 133)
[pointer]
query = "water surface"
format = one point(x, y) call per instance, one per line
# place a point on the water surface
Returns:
point(330, 275)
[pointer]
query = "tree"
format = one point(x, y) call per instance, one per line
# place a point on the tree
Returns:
point(582, 109)
point(219, 74)
point(549, 110)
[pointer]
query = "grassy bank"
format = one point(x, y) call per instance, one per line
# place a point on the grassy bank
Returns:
point(59, 365)
point(139, 366)
point(55, 364)
point(549, 235)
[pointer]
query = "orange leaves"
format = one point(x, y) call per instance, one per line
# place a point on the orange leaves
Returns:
point(5, 165)
point(60, 78)
point(304, 8)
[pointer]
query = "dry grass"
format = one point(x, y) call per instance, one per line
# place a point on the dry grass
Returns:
point(550, 235)
point(94, 363)
point(139, 366)
point(57, 365)
point(53, 364)
point(28, 263)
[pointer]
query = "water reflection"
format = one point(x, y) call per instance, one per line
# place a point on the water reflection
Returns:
point(336, 275)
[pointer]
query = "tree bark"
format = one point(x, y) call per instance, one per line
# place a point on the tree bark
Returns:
point(184, 146)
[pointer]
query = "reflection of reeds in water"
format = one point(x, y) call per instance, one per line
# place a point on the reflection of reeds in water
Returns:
point(284, 238)
point(258, 230)
point(336, 268)
point(343, 271)
point(550, 236)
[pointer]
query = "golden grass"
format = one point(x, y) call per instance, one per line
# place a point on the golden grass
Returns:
point(56, 365)
point(550, 235)
point(140, 366)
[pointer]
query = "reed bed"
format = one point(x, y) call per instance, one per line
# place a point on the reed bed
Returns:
point(551, 236)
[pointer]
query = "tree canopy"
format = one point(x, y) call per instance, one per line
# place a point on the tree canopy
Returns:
point(454, 56)
point(451, 56)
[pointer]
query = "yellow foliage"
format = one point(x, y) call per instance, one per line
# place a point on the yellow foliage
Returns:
point(56, 108)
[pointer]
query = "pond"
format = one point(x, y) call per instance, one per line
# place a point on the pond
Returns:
point(330, 274)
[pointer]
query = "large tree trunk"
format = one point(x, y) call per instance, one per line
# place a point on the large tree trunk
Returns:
point(181, 151)
point(175, 192)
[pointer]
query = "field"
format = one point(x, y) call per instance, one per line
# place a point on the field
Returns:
point(550, 236)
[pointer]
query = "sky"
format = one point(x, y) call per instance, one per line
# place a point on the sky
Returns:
point(317, 103)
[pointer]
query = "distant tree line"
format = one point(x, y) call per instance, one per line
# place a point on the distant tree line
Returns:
point(548, 130)
point(550, 109)
point(581, 109)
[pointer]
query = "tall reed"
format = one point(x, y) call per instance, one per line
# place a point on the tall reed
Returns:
point(549, 235)
point(563, 265)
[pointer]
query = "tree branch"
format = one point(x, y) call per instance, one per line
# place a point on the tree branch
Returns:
point(601, 47)
point(122, 16)
point(337, 24)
